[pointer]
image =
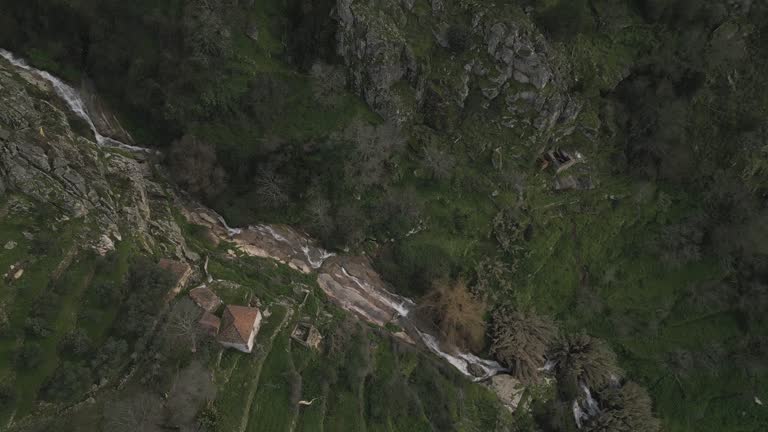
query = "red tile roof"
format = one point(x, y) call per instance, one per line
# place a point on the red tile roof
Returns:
point(237, 324)
point(210, 323)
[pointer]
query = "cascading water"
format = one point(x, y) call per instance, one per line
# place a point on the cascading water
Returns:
point(72, 98)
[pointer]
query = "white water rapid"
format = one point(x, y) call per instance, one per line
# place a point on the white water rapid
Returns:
point(72, 98)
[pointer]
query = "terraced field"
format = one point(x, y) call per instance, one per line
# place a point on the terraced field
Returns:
point(370, 382)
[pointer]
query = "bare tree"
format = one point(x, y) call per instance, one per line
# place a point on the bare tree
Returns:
point(319, 210)
point(375, 146)
point(439, 163)
point(140, 413)
point(271, 187)
point(183, 323)
point(521, 340)
point(458, 315)
point(194, 166)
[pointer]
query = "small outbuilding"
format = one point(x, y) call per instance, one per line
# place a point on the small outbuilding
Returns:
point(239, 326)
point(181, 273)
point(205, 298)
point(209, 324)
point(561, 160)
point(307, 335)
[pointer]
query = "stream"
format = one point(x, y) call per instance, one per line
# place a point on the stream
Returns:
point(349, 281)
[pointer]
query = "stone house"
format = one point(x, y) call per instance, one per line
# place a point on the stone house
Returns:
point(181, 273)
point(205, 298)
point(239, 326)
point(209, 324)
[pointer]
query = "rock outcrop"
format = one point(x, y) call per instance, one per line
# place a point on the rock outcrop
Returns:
point(404, 58)
point(113, 192)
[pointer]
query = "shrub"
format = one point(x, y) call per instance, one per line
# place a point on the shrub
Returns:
point(75, 342)
point(7, 393)
point(36, 327)
point(626, 408)
point(581, 358)
point(107, 293)
point(69, 382)
point(29, 356)
point(521, 340)
point(457, 38)
point(454, 311)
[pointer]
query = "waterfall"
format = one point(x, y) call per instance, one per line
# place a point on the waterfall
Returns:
point(73, 100)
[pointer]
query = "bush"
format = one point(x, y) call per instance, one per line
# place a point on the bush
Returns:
point(29, 356)
point(581, 358)
point(411, 266)
point(75, 342)
point(7, 393)
point(36, 327)
point(107, 293)
point(454, 311)
point(521, 340)
point(458, 39)
point(625, 408)
point(70, 382)
point(109, 357)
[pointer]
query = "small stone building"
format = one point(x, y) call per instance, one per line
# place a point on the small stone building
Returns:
point(205, 298)
point(181, 272)
point(307, 335)
point(561, 160)
point(239, 326)
point(209, 324)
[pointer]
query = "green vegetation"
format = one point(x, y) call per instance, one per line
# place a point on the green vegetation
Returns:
point(663, 259)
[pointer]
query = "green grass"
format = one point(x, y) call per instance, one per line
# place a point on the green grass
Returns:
point(273, 408)
point(244, 375)
point(76, 280)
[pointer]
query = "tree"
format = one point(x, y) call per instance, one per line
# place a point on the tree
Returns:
point(36, 327)
point(509, 227)
point(7, 392)
point(109, 357)
point(194, 166)
point(69, 382)
point(75, 342)
point(271, 187)
point(183, 323)
point(625, 408)
point(139, 413)
point(580, 358)
point(206, 36)
point(374, 149)
point(521, 340)
point(29, 356)
point(458, 38)
point(454, 311)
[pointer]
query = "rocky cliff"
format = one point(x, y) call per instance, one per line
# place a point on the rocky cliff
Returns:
point(416, 58)
point(47, 155)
